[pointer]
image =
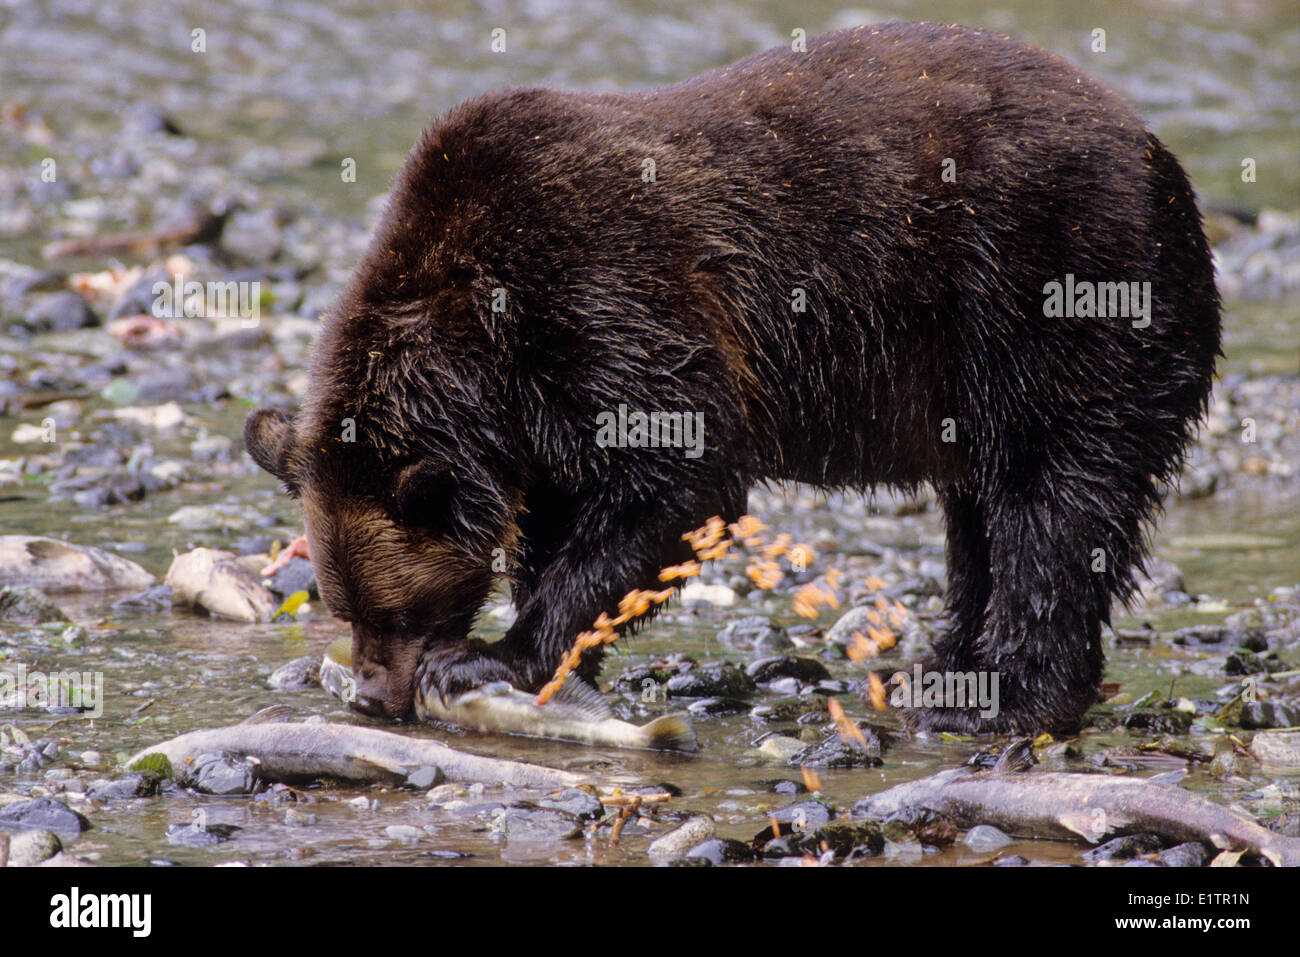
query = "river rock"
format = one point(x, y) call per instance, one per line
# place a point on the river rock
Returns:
point(1191, 854)
point(253, 235)
point(42, 813)
point(648, 679)
point(1268, 714)
point(221, 774)
point(921, 825)
point(846, 839)
point(154, 599)
point(720, 850)
point(421, 779)
point(61, 312)
point(1158, 721)
point(1280, 749)
point(28, 606)
point(983, 838)
point(1156, 578)
point(296, 576)
point(754, 633)
point(534, 825)
point(810, 710)
point(716, 707)
point(192, 835)
point(1222, 636)
point(403, 833)
point(54, 566)
point(216, 582)
point(582, 804)
point(780, 747)
point(798, 819)
point(834, 752)
point(137, 784)
point(853, 621)
point(1124, 847)
point(31, 847)
point(203, 517)
point(721, 680)
point(300, 673)
point(678, 841)
point(804, 670)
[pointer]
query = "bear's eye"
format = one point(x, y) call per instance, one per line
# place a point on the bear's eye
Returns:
point(422, 495)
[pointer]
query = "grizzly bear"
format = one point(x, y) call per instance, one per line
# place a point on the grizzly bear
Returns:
point(909, 254)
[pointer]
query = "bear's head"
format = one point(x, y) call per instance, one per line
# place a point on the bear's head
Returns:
point(402, 544)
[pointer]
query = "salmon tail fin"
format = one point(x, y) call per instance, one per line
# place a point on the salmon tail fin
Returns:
point(672, 732)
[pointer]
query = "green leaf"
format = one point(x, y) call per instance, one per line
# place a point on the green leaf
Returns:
point(156, 763)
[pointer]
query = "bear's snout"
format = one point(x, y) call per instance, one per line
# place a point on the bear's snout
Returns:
point(371, 695)
point(383, 689)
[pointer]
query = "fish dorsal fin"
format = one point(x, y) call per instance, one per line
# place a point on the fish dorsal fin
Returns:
point(578, 694)
point(275, 713)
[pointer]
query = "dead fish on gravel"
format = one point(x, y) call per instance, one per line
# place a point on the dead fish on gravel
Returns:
point(1058, 805)
point(577, 712)
point(289, 752)
point(221, 584)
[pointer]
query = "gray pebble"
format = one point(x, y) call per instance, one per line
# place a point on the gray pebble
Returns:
point(678, 841)
point(61, 312)
point(984, 837)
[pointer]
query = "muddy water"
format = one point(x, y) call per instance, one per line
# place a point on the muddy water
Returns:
point(286, 91)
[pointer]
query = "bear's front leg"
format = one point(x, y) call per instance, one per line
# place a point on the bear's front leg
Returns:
point(610, 549)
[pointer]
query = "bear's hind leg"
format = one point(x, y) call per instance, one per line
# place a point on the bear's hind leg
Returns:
point(1062, 540)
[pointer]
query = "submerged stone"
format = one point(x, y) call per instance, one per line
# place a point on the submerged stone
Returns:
point(53, 566)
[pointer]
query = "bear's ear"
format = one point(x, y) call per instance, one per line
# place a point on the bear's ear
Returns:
point(268, 433)
point(422, 495)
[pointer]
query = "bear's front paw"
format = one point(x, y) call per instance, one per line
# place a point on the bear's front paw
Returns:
point(453, 669)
